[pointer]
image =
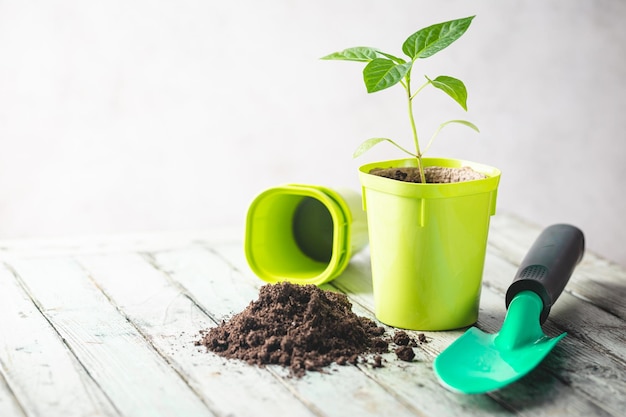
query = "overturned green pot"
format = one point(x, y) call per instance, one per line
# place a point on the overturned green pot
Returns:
point(427, 245)
point(304, 234)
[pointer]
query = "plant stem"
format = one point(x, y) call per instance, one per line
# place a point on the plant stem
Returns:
point(418, 153)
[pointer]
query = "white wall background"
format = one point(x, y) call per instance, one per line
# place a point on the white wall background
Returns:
point(128, 116)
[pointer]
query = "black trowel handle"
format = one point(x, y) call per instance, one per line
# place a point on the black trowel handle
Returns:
point(548, 265)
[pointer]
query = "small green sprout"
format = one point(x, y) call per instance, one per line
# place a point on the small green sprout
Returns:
point(384, 70)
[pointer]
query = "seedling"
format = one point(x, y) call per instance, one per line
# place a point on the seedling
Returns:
point(384, 70)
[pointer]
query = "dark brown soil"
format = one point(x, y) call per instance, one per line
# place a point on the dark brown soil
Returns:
point(433, 175)
point(378, 361)
point(405, 344)
point(300, 327)
point(405, 353)
point(401, 338)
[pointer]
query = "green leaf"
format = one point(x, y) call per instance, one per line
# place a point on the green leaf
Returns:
point(383, 73)
point(444, 124)
point(428, 41)
point(393, 58)
point(359, 54)
point(368, 144)
point(452, 87)
point(461, 122)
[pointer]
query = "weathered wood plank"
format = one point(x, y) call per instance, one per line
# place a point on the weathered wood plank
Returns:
point(203, 274)
point(103, 244)
point(600, 330)
point(490, 319)
point(414, 383)
point(599, 387)
point(345, 391)
point(130, 372)
point(593, 366)
point(171, 320)
point(563, 379)
point(42, 373)
point(9, 406)
point(518, 397)
point(596, 280)
point(204, 278)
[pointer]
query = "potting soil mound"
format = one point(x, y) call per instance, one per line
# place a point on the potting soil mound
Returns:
point(297, 326)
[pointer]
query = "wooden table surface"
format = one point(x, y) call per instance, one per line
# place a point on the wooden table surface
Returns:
point(106, 327)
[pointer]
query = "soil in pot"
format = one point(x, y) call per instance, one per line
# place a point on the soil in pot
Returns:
point(433, 174)
point(301, 327)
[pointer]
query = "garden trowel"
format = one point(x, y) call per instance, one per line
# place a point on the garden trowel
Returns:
point(479, 362)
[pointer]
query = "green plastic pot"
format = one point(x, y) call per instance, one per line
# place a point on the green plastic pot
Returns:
point(304, 234)
point(427, 245)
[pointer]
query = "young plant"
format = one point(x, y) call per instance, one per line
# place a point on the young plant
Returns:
point(384, 70)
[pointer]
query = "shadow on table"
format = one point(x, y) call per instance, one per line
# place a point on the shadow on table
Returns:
point(537, 388)
point(608, 296)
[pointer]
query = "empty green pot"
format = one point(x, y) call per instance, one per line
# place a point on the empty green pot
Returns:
point(303, 233)
point(427, 245)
